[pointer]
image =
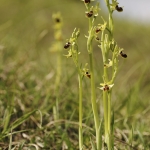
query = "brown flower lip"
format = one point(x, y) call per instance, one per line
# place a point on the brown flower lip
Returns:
point(97, 38)
point(97, 30)
point(88, 75)
point(67, 45)
point(106, 88)
point(87, 1)
point(89, 14)
point(123, 54)
point(57, 20)
point(119, 9)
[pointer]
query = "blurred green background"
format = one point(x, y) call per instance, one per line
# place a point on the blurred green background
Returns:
point(28, 67)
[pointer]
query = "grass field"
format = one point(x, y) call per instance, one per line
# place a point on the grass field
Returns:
point(28, 70)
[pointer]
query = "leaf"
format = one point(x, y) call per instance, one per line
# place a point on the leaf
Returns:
point(22, 119)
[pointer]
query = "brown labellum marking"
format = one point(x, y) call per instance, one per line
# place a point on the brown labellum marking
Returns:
point(88, 75)
point(67, 45)
point(119, 9)
point(97, 38)
point(106, 87)
point(87, 1)
point(97, 30)
point(57, 20)
point(123, 54)
point(89, 14)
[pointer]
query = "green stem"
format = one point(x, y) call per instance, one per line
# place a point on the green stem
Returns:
point(80, 112)
point(93, 100)
point(107, 94)
point(76, 61)
point(93, 92)
point(111, 26)
point(105, 104)
point(110, 132)
point(110, 19)
point(109, 111)
point(57, 81)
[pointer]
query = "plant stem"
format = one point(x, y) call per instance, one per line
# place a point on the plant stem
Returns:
point(109, 122)
point(93, 92)
point(80, 76)
point(107, 94)
point(58, 44)
point(109, 111)
point(93, 100)
point(105, 104)
point(80, 112)
point(57, 81)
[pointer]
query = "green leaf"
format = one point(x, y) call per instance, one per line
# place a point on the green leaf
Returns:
point(22, 119)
